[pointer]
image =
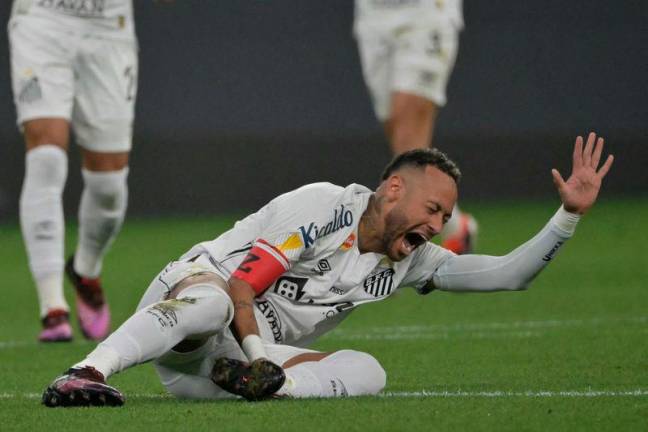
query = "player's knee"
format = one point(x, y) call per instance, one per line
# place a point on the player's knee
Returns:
point(109, 189)
point(368, 369)
point(213, 301)
point(46, 167)
point(40, 132)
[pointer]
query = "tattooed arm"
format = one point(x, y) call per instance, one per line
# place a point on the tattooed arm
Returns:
point(244, 325)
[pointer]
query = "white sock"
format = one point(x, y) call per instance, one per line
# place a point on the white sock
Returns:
point(152, 331)
point(41, 220)
point(101, 214)
point(343, 373)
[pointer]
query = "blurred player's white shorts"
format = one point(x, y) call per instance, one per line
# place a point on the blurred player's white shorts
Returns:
point(412, 56)
point(88, 79)
point(186, 375)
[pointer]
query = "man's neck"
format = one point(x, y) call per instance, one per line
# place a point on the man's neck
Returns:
point(370, 227)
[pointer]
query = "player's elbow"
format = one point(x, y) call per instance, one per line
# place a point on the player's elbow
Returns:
point(514, 284)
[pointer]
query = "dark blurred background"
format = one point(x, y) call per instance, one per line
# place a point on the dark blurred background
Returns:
point(241, 100)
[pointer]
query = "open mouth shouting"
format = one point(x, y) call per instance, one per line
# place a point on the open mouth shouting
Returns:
point(411, 240)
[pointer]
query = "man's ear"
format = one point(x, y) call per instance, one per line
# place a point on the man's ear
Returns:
point(394, 187)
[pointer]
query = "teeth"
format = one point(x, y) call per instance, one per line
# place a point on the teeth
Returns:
point(408, 246)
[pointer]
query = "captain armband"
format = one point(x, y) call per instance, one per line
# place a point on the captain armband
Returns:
point(262, 266)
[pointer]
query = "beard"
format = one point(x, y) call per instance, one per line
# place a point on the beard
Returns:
point(396, 223)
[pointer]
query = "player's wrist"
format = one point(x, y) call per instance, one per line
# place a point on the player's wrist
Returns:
point(252, 346)
point(565, 220)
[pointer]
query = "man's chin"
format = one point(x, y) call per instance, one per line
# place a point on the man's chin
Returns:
point(395, 254)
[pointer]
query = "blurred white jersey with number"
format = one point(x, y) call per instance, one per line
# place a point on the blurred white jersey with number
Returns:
point(407, 46)
point(112, 16)
point(76, 60)
point(313, 231)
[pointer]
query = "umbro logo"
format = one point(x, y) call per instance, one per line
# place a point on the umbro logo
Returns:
point(323, 266)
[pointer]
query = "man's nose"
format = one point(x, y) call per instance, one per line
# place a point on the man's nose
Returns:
point(435, 224)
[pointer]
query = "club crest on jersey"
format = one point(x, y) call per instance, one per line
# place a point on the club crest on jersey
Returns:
point(341, 218)
point(380, 284)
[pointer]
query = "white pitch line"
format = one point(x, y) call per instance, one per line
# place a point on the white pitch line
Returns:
point(492, 330)
point(509, 394)
point(535, 394)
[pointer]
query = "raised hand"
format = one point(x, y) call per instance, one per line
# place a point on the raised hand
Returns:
point(580, 190)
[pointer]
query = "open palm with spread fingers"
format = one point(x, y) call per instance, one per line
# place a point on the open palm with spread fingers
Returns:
point(580, 190)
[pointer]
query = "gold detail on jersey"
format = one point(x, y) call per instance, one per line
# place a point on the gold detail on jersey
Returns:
point(122, 21)
point(293, 242)
point(386, 262)
point(348, 243)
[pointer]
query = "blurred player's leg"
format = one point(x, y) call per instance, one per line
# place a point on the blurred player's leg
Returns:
point(411, 123)
point(407, 51)
point(101, 213)
point(42, 222)
point(102, 120)
point(43, 85)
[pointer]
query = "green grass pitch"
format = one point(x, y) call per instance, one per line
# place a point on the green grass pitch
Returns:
point(568, 354)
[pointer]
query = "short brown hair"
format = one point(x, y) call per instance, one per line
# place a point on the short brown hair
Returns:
point(420, 158)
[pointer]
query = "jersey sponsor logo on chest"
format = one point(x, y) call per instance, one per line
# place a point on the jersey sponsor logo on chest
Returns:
point(290, 287)
point(270, 313)
point(341, 218)
point(380, 284)
point(81, 8)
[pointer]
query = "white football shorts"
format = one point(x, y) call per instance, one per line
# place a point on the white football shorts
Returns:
point(88, 79)
point(413, 58)
point(186, 375)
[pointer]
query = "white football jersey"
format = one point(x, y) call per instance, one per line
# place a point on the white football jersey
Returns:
point(85, 15)
point(313, 231)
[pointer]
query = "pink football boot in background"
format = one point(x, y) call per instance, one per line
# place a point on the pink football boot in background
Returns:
point(92, 309)
point(56, 327)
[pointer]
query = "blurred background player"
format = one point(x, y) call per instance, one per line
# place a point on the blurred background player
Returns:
point(407, 50)
point(73, 64)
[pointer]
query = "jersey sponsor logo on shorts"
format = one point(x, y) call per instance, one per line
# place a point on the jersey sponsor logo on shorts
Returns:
point(341, 218)
point(80, 8)
point(270, 313)
point(290, 287)
point(380, 284)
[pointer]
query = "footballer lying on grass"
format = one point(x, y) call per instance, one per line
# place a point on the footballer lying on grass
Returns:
point(232, 316)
